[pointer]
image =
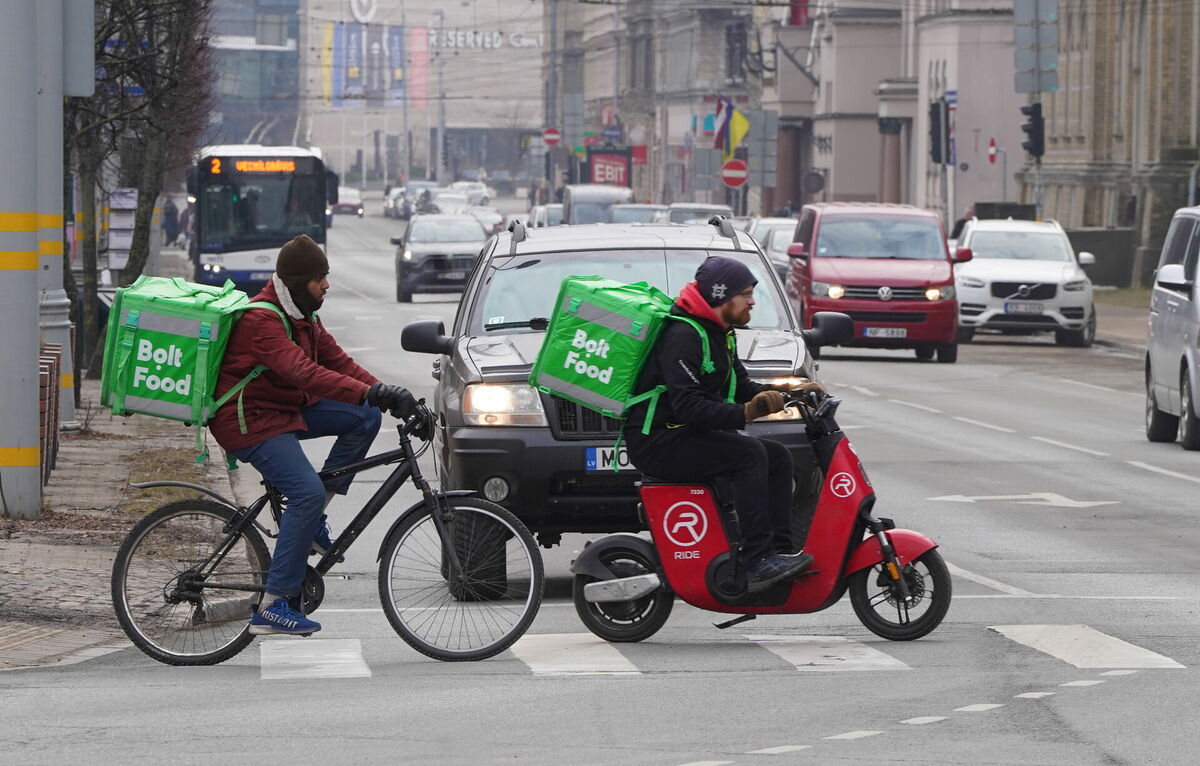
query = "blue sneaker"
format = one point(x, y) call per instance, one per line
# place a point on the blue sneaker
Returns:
point(323, 542)
point(280, 617)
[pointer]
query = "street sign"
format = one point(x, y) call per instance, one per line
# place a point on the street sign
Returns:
point(992, 150)
point(612, 133)
point(734, 173)
point(551, 136)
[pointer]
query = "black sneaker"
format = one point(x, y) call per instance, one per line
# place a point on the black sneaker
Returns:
point(774, 567)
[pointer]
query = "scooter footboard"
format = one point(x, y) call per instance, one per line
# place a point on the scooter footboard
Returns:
point(908, 544)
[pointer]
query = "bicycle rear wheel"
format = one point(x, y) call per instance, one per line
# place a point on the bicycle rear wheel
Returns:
point(474, 617)
point(166, 583)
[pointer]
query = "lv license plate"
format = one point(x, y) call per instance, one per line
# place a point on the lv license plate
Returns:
point(453, 275)
point(601, 459)
point(885, 332)
point(1022, 307)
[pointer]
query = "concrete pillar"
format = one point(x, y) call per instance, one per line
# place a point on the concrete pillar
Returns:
point(20, 461)
point(54, 306)
point(890, 159)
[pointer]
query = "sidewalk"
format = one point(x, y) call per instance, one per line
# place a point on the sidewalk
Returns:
point(55, 606)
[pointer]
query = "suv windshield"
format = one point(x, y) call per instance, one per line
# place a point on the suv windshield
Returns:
point(1020, 245)
point(447, 231)
point(520, 288)
point(880, 236)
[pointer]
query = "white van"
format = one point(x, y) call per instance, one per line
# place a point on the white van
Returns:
point(1171, 364)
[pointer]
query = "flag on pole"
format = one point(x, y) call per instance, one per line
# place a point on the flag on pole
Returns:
point(731, 128)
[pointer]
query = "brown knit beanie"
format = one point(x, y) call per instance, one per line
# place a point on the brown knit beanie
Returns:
point(299, 262)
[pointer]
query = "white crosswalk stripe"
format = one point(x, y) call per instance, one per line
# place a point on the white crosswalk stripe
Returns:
point(571, 654)
point(827, 653)
point(1084, 647)
point(288, 658)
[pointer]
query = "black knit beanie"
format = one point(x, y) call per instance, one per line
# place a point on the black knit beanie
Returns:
point(301, 261)
point(719, 279)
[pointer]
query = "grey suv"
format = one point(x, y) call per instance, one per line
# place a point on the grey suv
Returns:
point(1172, 380)
point(549, 460)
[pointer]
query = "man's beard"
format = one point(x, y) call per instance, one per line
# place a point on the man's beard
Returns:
point(306, 302)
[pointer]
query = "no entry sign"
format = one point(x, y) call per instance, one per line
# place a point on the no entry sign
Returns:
point(734, 174)
point(551, 136)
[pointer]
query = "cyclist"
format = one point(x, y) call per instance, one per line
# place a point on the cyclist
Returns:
point(694, 432)
point(311, 388)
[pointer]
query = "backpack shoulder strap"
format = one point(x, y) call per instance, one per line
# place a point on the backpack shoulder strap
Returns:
point(287, 323)
point(707, 364)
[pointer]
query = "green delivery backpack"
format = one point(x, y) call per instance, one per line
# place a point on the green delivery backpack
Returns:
point(597, 340)
point(163, 349)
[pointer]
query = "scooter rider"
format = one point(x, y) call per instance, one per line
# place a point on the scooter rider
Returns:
point(694, 432)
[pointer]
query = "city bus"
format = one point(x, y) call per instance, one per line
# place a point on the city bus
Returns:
point(247, 201)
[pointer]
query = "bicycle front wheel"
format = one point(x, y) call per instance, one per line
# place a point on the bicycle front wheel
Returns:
point(183, 587)
point(473, 617)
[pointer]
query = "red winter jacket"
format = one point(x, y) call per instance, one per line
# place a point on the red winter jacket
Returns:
point(307, 367)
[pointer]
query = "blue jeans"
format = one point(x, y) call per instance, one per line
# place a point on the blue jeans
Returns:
point(283, 465)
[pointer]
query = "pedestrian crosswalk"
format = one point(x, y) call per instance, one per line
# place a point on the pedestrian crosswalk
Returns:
point(583, 654)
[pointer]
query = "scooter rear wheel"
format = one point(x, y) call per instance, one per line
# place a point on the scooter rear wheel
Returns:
point(624, 621)
point(882, 611)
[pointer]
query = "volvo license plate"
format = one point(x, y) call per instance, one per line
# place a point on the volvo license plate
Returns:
point(885, 332)
point(1022, 307)
point(601, 459)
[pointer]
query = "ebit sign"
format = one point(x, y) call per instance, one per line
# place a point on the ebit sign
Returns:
point(609, 165)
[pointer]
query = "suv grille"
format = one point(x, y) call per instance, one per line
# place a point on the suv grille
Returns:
point(898, 293)
point(1037, 292)
point(450, 262)
point(886, 316)
point(576, 421)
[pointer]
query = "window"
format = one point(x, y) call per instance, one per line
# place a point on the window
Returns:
point(271, 29)
point(1189, 260)
point(805, 229)
point(1177, 241)
point(735, 52)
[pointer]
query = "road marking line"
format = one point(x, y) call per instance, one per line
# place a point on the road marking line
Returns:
point(863, 390)
point(1082, 683)
point(571, 654)
point(855, 735)
point(779, 750)
point(1100, 388)
point(922, 720)
point(1118, 672)
point(916, 406)
point(364, 296)
point(1163, 471)
point(981, 424)
point(705, 763)
point(1072, 598)
point(1064, 445)
point(1084, 647)
point(979, 708)
point(989, 582)
point(313, 658)
point(822, 653)
point(1034, 695)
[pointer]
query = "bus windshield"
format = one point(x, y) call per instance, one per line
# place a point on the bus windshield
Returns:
point(243, 211)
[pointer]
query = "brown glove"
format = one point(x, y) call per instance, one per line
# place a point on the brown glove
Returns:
point(806, 385)
point(763, 403)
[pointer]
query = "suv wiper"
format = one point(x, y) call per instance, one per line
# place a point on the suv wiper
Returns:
point(537, 323)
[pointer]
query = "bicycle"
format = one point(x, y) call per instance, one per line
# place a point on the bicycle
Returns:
point(460, 578)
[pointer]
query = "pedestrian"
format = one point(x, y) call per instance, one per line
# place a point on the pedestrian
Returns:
point(967, 215)
point(185, 221)
point(170, 222)
point(310, 388)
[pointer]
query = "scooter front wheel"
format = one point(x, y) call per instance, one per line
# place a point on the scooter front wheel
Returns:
point(884, 612)
point(624, 621)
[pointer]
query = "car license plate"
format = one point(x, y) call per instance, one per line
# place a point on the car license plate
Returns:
point(885, 332)
point(263, 275)
point(1021, 307)
point(452, 275)
point(601, 459)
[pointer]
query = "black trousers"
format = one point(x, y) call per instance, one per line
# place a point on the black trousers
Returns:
point(760, 469)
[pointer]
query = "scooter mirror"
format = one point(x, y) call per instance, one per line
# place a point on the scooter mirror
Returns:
point(830, 328)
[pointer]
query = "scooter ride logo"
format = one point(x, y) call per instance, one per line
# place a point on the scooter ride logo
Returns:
point(685, 524)
point(162, 367)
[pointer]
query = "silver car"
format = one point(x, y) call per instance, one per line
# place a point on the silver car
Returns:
point(1171, 350)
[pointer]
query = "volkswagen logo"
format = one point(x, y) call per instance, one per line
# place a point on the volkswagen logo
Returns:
point(364, 10)
point(884, 293)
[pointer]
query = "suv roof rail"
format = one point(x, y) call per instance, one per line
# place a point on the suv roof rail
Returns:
point(725, 227)
point(517, 229)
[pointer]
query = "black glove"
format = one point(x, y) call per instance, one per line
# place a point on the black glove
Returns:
point(394, 399)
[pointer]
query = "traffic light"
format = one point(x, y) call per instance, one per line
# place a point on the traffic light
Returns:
point(939, 132)
point(1035, 128)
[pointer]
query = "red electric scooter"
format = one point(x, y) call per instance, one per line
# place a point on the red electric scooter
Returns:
point(899, 586)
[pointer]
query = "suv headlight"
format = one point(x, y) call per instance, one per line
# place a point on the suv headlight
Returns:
point(971, 282)
point(826, 290)
point(1076, 286)
point(940, 293)
point(503, 404)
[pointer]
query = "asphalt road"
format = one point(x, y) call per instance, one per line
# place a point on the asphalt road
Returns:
point(1071, 638)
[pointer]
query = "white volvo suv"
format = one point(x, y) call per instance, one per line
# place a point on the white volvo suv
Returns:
point(1024, 277)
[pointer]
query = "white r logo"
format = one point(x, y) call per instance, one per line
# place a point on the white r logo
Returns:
point(842, 484)
point(685, 524)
